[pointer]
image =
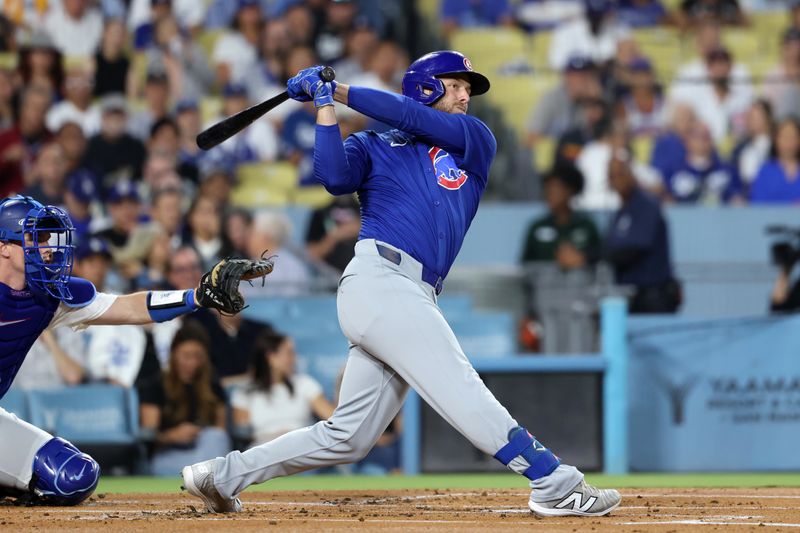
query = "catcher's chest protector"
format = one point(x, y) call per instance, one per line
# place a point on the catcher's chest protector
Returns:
point(23, 317)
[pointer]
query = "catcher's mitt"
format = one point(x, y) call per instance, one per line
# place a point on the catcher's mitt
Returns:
point(219, 287)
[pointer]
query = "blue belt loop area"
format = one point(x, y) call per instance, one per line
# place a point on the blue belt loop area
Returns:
point(389, 254)
point(428, 276)
point(521, 443)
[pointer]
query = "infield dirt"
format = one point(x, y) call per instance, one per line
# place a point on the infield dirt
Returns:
point(645, 510)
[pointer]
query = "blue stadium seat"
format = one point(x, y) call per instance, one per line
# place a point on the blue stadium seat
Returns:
point(326, 370)
point(298, 328)
point(322, 345)
point(313, 307)
point(265, 309)
point(16, 401)
point(486, 334)
point(323, 358)
point(96, 414)
point(305, 316)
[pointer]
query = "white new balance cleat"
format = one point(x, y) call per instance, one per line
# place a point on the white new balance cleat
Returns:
point(198, 480)
point(583, 500)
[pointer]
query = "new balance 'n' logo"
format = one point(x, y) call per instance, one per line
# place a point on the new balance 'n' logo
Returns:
point(576, 501)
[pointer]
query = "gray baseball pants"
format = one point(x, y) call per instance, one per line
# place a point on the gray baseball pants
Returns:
point(399, 338)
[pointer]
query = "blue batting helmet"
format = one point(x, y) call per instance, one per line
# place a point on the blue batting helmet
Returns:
point(49, 251)
point(424, 73)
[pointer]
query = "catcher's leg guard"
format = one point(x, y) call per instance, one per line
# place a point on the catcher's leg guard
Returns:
point(62, 474)
point(522, 444)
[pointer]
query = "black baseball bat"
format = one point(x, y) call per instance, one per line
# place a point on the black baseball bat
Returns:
point(227, 128)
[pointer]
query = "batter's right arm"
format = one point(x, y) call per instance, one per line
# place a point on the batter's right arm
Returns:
point(340, 167)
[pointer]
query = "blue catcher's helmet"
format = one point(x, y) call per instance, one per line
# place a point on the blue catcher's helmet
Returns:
point(424, 73)
point(48, 251)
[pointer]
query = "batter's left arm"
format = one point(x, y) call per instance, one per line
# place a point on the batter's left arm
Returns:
point(462, 135)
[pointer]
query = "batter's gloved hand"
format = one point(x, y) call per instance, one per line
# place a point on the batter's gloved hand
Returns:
point(219, 287)
point(307, 85)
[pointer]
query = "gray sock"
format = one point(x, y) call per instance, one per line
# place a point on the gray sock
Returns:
point(556, 485)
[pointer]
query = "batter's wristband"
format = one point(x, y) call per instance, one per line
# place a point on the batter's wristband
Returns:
point(166, 305)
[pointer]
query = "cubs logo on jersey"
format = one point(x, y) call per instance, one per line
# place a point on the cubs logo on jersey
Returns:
point(448, 175)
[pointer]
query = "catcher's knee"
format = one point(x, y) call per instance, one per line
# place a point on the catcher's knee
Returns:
point(62, 474)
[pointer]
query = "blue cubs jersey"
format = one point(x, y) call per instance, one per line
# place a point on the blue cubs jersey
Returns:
point(23, 316)
point(419, 184)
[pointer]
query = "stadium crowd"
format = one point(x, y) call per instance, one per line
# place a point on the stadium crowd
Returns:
point(101, 101)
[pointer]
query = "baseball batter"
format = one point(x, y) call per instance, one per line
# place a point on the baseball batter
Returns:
point(419, 186)
point(37, 290)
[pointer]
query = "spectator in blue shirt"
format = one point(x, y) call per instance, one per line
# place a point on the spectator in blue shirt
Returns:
point(778, 180)
point(220, 13)
point(297, 141)
point(701, 176)
point(670, 147)
point(470, 13)
point(637, 243)
point(79, 195)
point(144, 34)
point(640, 13)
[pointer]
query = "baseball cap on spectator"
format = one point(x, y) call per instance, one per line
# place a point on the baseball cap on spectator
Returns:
point(248, 3)
point(154, 3)
point(66, 115)
point(123, 190)
point(82, 185)
point(792, 34)
point(597, 7)
point(186, 105)
point(92, 246)
point(718, 54)
point(157, 76)
point(114, 103)
point(579, 64)
point(233, 90)
point(640, 64)
point(38, 40)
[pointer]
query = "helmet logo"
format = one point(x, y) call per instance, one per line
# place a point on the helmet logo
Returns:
point(467, 63)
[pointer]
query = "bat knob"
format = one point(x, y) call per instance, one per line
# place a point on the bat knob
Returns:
point(327, 74)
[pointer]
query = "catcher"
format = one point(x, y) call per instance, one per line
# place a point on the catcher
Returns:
point(37, 290)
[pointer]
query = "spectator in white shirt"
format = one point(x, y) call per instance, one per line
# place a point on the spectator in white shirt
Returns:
point(235, 52)
point(719, 99)
point(593, 162)
point(75, 27)
point(277, 400)
point(782, 84)
point(708, 38)
point(595, 35)
point(77, 105)
point(188, 13)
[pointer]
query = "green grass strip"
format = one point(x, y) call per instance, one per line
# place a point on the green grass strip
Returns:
point(129, 485)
